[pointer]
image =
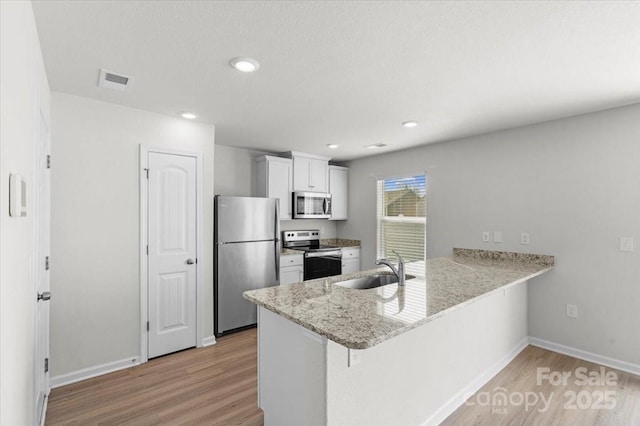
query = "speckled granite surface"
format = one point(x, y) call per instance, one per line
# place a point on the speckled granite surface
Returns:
point(498, 256)
point(359, 319)
point(286, 251)
point(340, 242)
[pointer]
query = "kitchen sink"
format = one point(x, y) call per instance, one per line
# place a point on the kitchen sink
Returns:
point(371, 281)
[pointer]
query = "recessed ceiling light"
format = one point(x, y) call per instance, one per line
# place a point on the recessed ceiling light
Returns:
point(244, 64)
point(410, 123)
point(332, 145)
point(376, 145)
point(189, 115)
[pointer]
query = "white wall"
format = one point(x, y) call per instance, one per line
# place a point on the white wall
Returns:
point(235, 174)
point(416, 378)
point(573, 184)
point(95, 225)
point(24, 92)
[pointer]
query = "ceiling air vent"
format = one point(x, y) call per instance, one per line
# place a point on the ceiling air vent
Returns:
point(111, 80)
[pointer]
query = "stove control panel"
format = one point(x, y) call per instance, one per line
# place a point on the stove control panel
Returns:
point(308, 235)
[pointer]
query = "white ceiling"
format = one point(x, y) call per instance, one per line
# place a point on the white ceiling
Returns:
point(349, 72)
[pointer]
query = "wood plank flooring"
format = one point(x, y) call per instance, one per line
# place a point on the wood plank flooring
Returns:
point(580, 402)
point(218, 386)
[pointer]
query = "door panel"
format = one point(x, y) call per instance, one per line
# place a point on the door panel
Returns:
point(242, 267)
point(172, 242)
point(280, 186)
point(43, 212)
point(246, 219)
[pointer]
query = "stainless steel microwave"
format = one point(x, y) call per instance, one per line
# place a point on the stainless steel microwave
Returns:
point(311, 205)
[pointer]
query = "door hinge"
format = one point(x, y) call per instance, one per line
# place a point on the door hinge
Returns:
point(147, 325)
point(46, 365)
point(147, 170)
point(147, 249)
point(196, 260)
point(46, 263)
point(48, 161)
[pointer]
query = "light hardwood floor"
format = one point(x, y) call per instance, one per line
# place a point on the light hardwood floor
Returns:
point(576, 403)
point(217, 386)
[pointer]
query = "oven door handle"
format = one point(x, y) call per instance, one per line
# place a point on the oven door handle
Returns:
point(334, 253)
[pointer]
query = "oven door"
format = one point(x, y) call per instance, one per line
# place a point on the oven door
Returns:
point(311, 205)
point(322, 264)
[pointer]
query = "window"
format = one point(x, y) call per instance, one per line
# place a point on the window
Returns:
point(402, 217)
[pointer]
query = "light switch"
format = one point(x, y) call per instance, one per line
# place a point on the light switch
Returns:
point(524, 238)
point(497, 237)
point(485, 237)
point(626, 244)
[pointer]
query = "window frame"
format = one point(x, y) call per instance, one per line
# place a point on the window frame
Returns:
point(381, 245)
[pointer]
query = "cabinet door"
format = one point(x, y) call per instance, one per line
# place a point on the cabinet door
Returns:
point(291, 275)
point(318, 175)
point(302, 174)
point(338, 181)
point(280, 186)
point(350, 266)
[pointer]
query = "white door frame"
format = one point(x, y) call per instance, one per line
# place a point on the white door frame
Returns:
point(144, 238)
point(40, 242)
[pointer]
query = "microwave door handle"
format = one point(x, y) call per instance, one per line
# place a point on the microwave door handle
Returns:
point(324, 206)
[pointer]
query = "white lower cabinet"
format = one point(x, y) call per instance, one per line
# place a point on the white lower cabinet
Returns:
point(291, 268)
point(350, 260)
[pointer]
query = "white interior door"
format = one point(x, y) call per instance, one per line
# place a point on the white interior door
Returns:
point(172, 253)
point(43, 212)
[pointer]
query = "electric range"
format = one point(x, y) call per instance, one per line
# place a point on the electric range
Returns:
point(320, 260)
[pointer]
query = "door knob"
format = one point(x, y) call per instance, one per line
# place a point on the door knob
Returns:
point(44, 296)
point(190, 261)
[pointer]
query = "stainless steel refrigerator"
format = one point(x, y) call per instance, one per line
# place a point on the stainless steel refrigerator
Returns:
point(246, 257)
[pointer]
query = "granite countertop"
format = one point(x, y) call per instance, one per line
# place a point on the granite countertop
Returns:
point(340, 242)
point(286, 251)
point(359, 319)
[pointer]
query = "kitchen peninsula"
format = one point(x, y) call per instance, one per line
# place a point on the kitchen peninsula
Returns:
point(391, 355)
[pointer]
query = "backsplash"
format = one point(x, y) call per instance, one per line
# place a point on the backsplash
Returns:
point(327, 227)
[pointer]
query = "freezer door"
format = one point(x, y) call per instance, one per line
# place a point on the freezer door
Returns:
point(246, 218)
point(242, 267)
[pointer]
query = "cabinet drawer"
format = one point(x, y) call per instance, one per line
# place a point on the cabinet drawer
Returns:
point(351, 253)
point(291, 260)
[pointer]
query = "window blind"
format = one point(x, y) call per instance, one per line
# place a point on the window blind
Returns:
point(401, 217)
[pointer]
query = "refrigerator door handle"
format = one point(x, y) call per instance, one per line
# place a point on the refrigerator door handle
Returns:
point(277, 240)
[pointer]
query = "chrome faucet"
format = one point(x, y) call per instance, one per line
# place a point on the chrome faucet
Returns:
point(399, 272)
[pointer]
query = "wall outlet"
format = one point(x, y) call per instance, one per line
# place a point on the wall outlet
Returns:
point(354, 357)
point(572, 311)
point(485, 237)
point(626, 244)
point(497, 237)
point(524, 238)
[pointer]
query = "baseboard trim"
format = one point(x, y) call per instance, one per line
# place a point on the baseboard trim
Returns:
point(44, 409)
point(586, 356)
point(98, 370)
point(458, 399)
point(208, 341)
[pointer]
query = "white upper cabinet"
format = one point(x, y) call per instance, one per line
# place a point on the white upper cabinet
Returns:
point(310, 172)
point(338, 184)
point(274, 179)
